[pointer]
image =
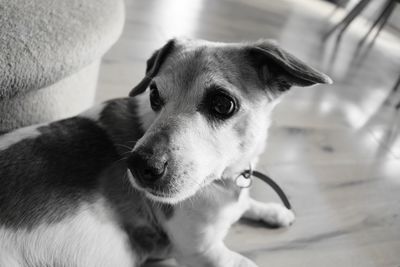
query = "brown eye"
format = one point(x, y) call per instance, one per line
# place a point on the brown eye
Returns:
point(222, 105)
point(155, 99)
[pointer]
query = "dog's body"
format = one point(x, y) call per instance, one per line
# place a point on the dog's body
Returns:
point(67, 199)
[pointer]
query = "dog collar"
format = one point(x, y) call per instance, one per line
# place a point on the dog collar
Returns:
point(244, 180)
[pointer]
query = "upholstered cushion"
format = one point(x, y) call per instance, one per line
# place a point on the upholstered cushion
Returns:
point(43, 41)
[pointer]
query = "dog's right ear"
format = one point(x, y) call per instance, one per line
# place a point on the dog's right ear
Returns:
point(280, 70)
point(154, 64)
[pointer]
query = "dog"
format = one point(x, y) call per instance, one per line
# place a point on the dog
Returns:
point(149, 176)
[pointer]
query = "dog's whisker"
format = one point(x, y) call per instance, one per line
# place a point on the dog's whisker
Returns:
point(119, 160)
point(124, 146)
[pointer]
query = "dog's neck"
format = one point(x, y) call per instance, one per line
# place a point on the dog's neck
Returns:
point(250, 159)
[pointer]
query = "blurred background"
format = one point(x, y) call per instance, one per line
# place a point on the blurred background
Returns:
point(334, 149)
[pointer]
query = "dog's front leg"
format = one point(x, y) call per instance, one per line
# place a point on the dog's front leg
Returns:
point(216, 255)
point(273, 214)
point(198, 227)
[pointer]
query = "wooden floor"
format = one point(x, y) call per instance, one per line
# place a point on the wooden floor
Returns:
point(334, 149)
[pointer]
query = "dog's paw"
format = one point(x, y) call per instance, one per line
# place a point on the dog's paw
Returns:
point(244, 262)
point(277, 215)
point(285, 217)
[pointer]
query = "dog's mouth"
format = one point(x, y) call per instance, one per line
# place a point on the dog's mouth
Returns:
point(153, 194)
point(160, 196)
point(157, 194)
point(163, 197)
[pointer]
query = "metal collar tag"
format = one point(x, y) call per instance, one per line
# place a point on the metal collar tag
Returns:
point(244, 180)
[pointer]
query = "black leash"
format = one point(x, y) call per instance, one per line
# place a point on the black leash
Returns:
point(247, 174)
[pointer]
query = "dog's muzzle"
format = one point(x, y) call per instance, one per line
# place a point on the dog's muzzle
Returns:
point(146, 171)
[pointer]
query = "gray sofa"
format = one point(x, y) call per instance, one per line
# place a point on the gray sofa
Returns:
point(50, 51)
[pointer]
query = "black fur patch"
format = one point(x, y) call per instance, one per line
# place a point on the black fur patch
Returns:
point(119, 118)
point(44, 179)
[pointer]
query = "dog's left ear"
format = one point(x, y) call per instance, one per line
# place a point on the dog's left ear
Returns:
point(154, 64)
point(280, 70)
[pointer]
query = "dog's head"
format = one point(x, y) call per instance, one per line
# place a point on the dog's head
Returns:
point(205, 107)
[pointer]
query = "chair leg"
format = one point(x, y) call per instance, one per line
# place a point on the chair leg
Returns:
point(391, 7)
point(337, 7)
point(396, 86)
point(345, 22)
point(381, 16)
point(395, 89)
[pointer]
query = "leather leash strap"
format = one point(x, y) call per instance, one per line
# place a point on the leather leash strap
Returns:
point(249, 173)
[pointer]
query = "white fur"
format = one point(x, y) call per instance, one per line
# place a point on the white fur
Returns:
point(88, 239)
point(93, 113)
point(18, 135)
point(270, 213)
point(201, 223)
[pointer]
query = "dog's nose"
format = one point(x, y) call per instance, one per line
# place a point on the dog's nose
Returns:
point(145, 170)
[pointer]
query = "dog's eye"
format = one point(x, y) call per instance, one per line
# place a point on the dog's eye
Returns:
point(223, 105)
point(155, 100)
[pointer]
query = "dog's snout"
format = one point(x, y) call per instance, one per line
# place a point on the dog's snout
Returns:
point(145, 170)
